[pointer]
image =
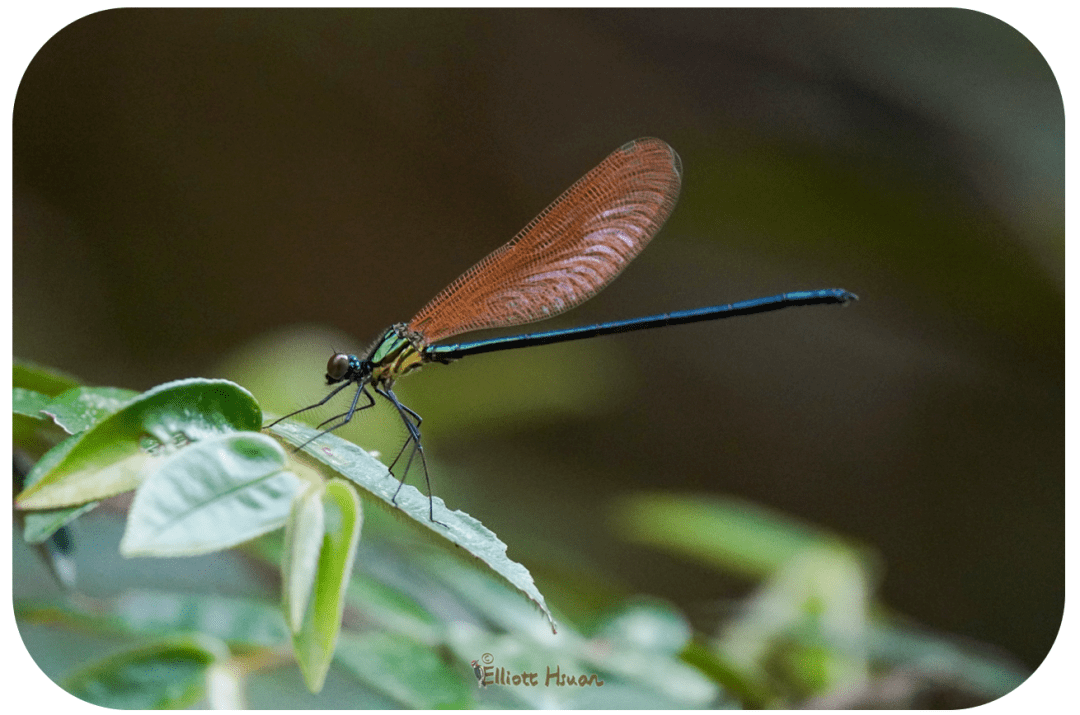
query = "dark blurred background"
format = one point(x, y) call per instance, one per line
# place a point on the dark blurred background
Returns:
point(238, 193)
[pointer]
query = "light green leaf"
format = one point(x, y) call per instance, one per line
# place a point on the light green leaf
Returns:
point(300, 556)
point(238, 621)
point(644, 642)
point(210, 496)
point(822, 594)
point(170, 674)
point(374, 480)
point(28, 403)
point(411, 673)
point(118, 452)
point(80, 407)
point(631, 678)
point(314, 643)
point(392, 610)
point(543, 675)
point(730, 533)
point(241, 621)
point(647, 626)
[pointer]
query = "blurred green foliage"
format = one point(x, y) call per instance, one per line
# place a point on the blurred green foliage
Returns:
point(810, 632)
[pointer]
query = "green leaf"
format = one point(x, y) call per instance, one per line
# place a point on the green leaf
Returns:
point(40, 525)
point(640, 644)
point(411, 673)
point(241, 621)
point(965, 665)
point(314, 643)
point(645, 640)
point(392, 610)
point(118, 452)
point(28, 403)
point(808, 623)
point(74, 410)
point(50, 459)
point(491, 598)
point(210, 496)
point(646, 626)
point(170, 674)
point(733, 534)
point(300, 556)
point(376, 481)
point(750, 693)
point(238, 621)
point(46, 380)
point(32, 432)
point(633, 678)
point(545, 672)
point(81, 407)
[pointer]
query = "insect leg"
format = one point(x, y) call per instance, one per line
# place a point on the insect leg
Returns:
point(414, 436)
point(320, 403)
point(347, 415)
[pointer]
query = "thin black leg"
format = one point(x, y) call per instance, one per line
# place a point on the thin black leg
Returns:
point(320, 403)
point(348, 415)
point(412, 432)
point(414, 436)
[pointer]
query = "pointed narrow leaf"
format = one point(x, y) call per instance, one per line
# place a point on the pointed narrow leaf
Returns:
point(375, 480)
point(118, 452)
point(46, 380)
point(730, 533)
point(300, 557)
point(314, 644)
point(489, 596)
point(210, 496)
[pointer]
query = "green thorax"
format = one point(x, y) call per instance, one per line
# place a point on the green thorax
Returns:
point(397, 352)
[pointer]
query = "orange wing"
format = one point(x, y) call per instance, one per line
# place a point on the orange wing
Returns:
point(568, 253)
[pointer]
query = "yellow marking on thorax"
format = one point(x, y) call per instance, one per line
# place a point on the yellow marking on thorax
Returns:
point(396, 354)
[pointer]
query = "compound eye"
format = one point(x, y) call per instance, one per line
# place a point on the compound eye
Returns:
point(337, 367)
